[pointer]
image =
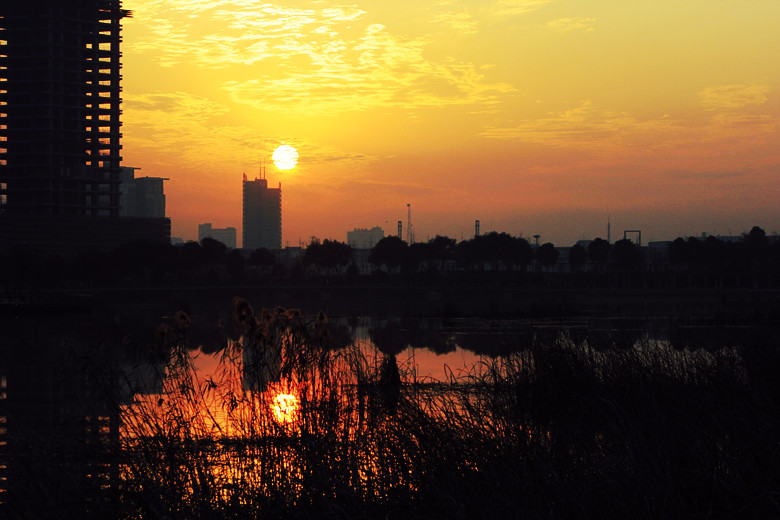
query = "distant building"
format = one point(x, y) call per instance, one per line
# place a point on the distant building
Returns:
point(363, 238)
point(141, 196)
point(225, 235)
point(262, 215)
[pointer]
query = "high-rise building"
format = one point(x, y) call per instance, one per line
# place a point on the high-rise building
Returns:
point(225, 235)
point(60, 124)
point(262, 215)
point(142, 197)
point(362, 238)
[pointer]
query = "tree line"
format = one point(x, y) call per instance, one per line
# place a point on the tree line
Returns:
point(695, 262)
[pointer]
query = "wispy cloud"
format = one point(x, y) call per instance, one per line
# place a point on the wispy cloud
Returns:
point(584, 127)
point(518, 7)
point(180, 129)
point(323, 59)
point(722, 97)
point(221, 34)
point(572, 24)
point(595, 129)
point(177, 104)
point(375, 69)
point(463, 21)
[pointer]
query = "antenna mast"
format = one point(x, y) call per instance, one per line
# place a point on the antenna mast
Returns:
point(409, 237)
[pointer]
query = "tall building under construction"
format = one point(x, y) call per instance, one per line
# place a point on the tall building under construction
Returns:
point(60, 171)
point(262, 224)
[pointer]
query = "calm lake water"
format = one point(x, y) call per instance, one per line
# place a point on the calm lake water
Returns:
point(46, 350)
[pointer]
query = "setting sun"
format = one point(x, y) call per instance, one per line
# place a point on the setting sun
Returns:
point(534, 116)
point(285, 157)
point(285, 407)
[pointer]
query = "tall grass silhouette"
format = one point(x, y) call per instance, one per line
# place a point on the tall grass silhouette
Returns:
point(558, 429)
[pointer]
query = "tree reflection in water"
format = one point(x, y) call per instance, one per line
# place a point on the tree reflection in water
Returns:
point(568, 425)
point(557, 422)
point(283, 414)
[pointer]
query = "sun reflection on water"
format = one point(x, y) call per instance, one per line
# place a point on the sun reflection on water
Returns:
point(285, 407)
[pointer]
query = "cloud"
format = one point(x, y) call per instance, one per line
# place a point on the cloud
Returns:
point(583, 127)
point(518, 7)
point(181, 130)
point(462, 22)
point(376, 69)
point(594, 129)
point(571, 24)
point(177, 104)
point(314, 60)
point(219, 34)
point(728, 97)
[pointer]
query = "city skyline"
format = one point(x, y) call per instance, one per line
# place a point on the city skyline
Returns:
point(535, 117)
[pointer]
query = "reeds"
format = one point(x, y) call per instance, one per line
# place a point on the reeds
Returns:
point(556, 430)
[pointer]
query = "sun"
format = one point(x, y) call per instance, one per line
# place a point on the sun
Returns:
point(285, 407)
point(285, 157)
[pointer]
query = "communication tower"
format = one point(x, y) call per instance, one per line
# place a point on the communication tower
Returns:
point(409, 235)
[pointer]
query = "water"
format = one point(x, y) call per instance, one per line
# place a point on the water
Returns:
point(45, 357)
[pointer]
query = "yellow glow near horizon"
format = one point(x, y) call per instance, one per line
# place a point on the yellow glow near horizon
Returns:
point(285, 157)
point(535, 116)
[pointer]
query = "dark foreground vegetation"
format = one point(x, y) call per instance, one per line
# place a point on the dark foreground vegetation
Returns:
point(751, 261)
point(559, 429)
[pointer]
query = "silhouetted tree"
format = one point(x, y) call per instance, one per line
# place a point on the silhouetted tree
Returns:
point(389, 338)
point(214, 251)
point(262, 258)
point(191, 259)
point(547, 254)
point(521, 252)
point(143, 260)
point(328, 254)
point(578, 256)
point(390, 252)
point(235, 264)
point(756, 238)
point(626, 255)
point(466, 252)
point(756, 248)
point(418, 257)
point(494, 248)
point(678, 252)
point(433, 254)
point(442, 248)
point(598, 252)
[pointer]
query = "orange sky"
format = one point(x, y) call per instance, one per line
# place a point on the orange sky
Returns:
point(534, 116)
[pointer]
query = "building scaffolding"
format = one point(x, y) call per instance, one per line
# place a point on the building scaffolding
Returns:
point(60, 108)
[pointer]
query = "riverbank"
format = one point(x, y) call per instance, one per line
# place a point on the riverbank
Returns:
point(442, 301)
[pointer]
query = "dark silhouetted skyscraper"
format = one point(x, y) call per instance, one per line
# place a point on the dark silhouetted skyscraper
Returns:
point(262, 215)
point(60, 122)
